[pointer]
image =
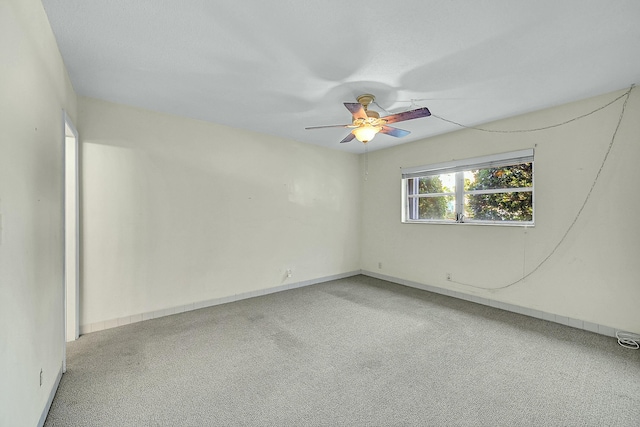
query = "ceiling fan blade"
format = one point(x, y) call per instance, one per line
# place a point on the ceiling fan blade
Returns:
point(347, 138)
point(398, 133)
point(329, 126)
point(356, 110)
point(408, 115)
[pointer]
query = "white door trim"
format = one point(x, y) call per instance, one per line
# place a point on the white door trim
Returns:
point(71, 232)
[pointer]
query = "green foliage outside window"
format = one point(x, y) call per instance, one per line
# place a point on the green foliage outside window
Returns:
point(508, 206)
point(432, 207)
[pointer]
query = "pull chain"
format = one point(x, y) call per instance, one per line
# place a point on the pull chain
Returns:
point(366, 161)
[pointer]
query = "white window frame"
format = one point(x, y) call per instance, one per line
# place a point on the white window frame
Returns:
point(459, 167)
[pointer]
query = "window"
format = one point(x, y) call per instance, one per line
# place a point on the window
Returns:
point(495, 189)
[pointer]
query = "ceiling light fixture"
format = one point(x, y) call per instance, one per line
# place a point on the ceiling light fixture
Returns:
point(365, 133)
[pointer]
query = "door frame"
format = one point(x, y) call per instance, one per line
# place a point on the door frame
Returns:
point(71, 233)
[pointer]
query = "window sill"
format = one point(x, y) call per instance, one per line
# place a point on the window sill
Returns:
point(474, 223)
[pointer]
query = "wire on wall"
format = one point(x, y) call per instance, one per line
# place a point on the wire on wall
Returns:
point(626, 94)
point(588, 196)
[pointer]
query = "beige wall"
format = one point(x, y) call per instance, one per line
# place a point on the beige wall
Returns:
point(34, 90)
point(592, 276)
point(177, 211)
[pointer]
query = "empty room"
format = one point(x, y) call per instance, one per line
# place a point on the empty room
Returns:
point(319, 213)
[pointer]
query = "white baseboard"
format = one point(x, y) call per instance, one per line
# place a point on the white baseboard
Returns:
point(126, 320)
point(551, 317)
point(52, 394)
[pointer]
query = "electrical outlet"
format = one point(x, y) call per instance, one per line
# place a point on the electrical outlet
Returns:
point(448, 276)
point(40, 377)
point(379, 266)
point(289, 273)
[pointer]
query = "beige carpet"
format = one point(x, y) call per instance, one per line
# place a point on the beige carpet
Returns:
point(353, 352)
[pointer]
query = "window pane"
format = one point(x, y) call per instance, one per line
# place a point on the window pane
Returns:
point(515, 176)
point(442, 207)
point(445, 183)
point(514, 206)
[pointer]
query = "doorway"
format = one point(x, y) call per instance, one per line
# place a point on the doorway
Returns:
point(71, 233)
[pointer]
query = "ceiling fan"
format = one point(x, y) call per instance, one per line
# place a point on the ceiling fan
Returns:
point(366, 124)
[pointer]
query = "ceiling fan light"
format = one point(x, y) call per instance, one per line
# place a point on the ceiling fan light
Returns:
point(365, 133)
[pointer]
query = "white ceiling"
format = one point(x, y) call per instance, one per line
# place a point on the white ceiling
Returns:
point(277, 67)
